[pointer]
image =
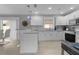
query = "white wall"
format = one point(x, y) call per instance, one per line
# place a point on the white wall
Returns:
point(13, 26)
point(35, 20)
point(0, 24)
point(13, 29)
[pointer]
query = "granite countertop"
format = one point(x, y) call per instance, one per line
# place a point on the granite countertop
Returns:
point(68, 46)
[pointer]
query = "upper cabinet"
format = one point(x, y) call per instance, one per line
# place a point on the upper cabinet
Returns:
point(68, 18)
point(76, 14)
point(60, 20)
point(72, 16)
point(64, 20)
point(37, 20)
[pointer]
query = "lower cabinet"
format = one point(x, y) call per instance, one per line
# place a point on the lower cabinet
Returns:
point(51, 36)
point(28, 43)
point(77, 37)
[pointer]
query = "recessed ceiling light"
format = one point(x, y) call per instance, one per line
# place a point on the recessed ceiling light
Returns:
point(61, 12)
point(71, 8)
point(49, 8)
point(36, 12)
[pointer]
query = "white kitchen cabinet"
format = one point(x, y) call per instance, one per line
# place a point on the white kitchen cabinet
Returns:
point(77, 36)
point(51, 35)
point(64, 20)
point(68, 18)
point(60, 35)
point(75, 14)
point(60, 20)
point(46, 36)
point(28, 42)
point(37, 20)
point(71, 16)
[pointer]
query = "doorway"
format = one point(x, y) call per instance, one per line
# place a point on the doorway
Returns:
point(8, 35)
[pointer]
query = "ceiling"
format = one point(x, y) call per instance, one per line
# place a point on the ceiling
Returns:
point(39, 9)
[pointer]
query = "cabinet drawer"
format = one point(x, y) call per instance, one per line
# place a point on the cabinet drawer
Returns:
point(29, 43)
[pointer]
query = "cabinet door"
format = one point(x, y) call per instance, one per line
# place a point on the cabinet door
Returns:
point(61, 20)
point(28, 43)
point(37, 20)
point(47, 36)
point(60, 35)
point(77, 37)
point(75, 14)
point(68, 18)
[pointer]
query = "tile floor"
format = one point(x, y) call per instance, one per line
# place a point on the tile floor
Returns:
point(50, 48)
point(9, 49)
point(45, 48)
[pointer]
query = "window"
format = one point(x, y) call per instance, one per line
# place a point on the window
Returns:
point(49, 23)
